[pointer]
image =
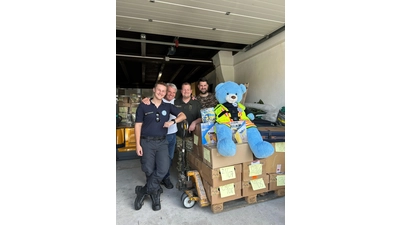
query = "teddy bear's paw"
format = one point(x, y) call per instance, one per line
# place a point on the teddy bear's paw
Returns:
point(226, 147)
point(262, 150)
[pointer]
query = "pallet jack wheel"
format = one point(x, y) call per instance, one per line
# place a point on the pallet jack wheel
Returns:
point(187, 203)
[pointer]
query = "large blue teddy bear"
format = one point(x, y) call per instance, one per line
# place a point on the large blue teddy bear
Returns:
point(229, 95)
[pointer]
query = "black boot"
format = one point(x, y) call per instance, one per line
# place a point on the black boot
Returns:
point(155, 198)
point(167, 183)
point(141, 194)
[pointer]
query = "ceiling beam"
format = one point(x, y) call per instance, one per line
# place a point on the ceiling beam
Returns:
point(181, 45)
point(164, 59)
point(143, 50)
point(176, 73)
point(248, 47)
point(191, 73)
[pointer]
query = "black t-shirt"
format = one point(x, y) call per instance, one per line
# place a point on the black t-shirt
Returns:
point(191, 110)
point(148, 114)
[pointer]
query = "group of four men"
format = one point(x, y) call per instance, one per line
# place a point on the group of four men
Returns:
point(157, 133)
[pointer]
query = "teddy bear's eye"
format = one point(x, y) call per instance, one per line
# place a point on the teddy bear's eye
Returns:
point(227, 93)
point(235, 93)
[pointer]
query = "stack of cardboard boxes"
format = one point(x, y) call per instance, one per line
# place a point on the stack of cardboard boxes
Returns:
point(230, 178)
point(275, 169)
point(127, 105)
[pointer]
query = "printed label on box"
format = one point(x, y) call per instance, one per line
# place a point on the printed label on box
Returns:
point(195, 139)
point(278, 168)
point(227, 173)
point(255, 169)
point(227, 190)
point(206, 154)
point(280, 180)
point(257, 184)
point(279, 146)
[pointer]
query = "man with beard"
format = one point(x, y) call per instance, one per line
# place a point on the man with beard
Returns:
point(206, 99)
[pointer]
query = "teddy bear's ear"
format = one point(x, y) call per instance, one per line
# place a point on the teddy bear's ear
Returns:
point(243, 88)
point(218, 86)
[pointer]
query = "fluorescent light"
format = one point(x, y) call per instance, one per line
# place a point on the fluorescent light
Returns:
point(188, 25)
point(131, 17)
point(217, 11)
point(159, 75)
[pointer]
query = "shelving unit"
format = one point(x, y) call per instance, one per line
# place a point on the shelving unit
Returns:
point(127, 101)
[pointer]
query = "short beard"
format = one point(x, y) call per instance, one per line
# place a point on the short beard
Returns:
point(203, 92)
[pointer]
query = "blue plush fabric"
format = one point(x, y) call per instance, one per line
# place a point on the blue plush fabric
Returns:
point(232, 92)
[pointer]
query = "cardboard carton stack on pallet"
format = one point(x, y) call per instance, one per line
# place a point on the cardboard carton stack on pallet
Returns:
point(123, 108)
point(275, 168)
point(127, 105)
point(240, 176)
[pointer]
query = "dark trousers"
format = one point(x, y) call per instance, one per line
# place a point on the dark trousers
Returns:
point(171, 138)
point(155, 162)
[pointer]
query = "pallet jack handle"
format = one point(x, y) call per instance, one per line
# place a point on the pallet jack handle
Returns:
point(185, 130)
point(185, 127)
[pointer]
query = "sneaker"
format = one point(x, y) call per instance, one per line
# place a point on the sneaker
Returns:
point(167, 183)
point(141, 194)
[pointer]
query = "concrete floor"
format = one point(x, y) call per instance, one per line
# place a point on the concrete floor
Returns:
point(129, 174)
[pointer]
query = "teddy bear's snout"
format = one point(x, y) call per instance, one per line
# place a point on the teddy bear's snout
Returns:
point(233, 97)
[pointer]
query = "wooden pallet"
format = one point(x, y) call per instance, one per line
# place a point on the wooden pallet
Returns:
point(242, 202)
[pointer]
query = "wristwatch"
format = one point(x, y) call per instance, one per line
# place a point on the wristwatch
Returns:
point(173, 121)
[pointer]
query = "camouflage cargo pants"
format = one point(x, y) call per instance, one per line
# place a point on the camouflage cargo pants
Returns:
point(183, 164)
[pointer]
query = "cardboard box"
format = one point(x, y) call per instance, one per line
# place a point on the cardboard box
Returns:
point(254, 169)
point(280, 192)
point(197, 162)
point(213, 159)
point(221, 176)
point(197, 135)
point(197, 145)
point(197, 150)
point(276, 181)
point(276, 162)
point(123, 109)
point(255, 186)
point(123, 99)
point(223, 193)
point(191, 160)
point(124, 104)
point(208, 136)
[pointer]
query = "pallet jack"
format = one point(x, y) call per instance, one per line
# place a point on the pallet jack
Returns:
point(189, 181)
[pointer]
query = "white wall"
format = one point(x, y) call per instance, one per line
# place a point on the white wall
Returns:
point(263, 67)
